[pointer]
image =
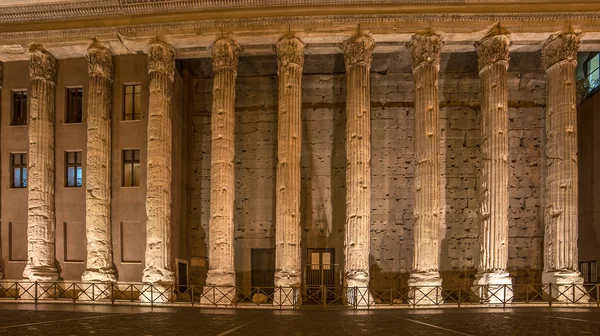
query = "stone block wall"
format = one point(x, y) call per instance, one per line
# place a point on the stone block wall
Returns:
point(392, 123)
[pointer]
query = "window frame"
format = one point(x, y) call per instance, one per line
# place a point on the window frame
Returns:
point(22, 166)
point(78, 163)
point(132, 116)
point(592, 270)
point(70, 106)
point(24, 106)
point(124, 162)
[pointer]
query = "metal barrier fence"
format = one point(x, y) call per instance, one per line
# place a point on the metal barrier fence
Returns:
point(294, 297)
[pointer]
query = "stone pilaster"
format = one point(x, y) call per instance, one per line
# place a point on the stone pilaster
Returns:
point(492, 282)
point(288, 272)
point(99, 262)
point(221, 273)
point(358, 57)
point(560, 236)
point(161, 71)
point(425, 50)
point(41, 225)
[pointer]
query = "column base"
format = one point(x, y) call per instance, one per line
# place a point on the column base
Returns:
point(287, 284)
point(564, 286)
point(357, 289)
point(160, 285)
point(425, 288)
point(97, 284)
point(220, 288)
point(493, 287)
point(40, 273)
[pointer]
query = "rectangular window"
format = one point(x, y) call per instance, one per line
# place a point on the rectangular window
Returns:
point(589, 271)
point(593, 73)
point(131, 168)
point(73, 169)
point(18, 170)
point(131, 102)
point(19, 108)
point(74, 105)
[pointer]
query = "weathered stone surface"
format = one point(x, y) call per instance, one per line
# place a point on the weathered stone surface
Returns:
point(425, 49)
point(99, 261)
point(288, 272)
point(493, 52)
point(561, 217)
point(41, 226)
point(161, 68)
point(358, 52)
point(222, 191)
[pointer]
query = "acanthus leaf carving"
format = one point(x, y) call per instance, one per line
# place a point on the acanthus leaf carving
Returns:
point(562, 46)
point(426, 46)
point(161, 58)
point(289, 51)
point(42, 64)
point(99, 61)
point(225, 54)
point(358, 49)
point(494, 47)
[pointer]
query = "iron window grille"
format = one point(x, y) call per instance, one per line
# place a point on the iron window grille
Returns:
point(18, 170)
point(19, 108)
point(74, 105)
point(73, 169)
point(131, 102)
point(131, 168)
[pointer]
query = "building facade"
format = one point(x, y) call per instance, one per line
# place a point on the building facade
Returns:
point(373, 144)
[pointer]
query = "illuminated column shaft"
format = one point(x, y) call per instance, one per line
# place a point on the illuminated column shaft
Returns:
point(41, 225)
point(161, 71)
point(560, 236)
point(493, 52)
point(425, 48)
point(358, 57)
point(99, 262)
point(290, 57)
point(221, 271)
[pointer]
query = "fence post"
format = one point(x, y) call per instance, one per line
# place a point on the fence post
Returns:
point(324, 296)
point(459, 295)
point(550, 295)
point(112, 292)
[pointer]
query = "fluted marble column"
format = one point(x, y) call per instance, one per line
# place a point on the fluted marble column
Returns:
point(41, 225)
point(560, 236)
point(425, 50)
point(492, 280)
point(1, 84)
point(99, 261)
point(290, 59)
point(225, 54)
point(358, 56)
point(161, 71)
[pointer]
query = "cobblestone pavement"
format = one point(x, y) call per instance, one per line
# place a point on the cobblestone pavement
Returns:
point(67, 320)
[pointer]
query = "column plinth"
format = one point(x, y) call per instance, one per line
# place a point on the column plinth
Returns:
point(358, 55)
point(99, 262)
point(288, 272)
point(221, 272)
point(560, 236)
point(492, 281)
point(41, 225)
point(424, 279)
point(157, 271)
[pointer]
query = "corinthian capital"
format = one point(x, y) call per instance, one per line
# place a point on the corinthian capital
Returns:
point(290, 51)
point(560, 47)
point(426, 47)
point(99, 61)
point(161, 58)
point(225, 54)
point(493, 47)
point(42, 64)
point(358, 49)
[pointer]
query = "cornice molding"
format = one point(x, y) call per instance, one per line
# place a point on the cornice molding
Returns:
point(443, 22)
point(33, 12)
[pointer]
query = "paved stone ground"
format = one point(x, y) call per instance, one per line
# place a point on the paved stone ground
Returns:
point(67, 320)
